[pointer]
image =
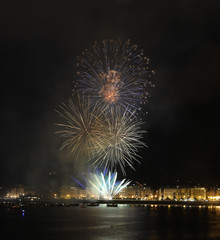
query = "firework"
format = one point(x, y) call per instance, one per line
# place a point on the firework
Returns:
point(123, 137)
point(103, 141)
point(115, 75)
point(102, 127)
point(104, 186)
point(82, 129)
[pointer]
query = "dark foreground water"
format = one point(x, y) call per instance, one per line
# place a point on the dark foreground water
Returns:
point(122, 222)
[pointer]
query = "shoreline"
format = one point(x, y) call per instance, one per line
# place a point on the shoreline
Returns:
point(72, 202)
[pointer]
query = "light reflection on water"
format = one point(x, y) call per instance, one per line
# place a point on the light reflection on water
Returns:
point(123, 222)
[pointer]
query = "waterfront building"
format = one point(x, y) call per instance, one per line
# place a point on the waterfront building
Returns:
point(15, 192)
point(183, 193)
point(68, 192)
point(197, 193)
point(213, 194)
point(136, 191)
point(218, 191)
point(167, 193)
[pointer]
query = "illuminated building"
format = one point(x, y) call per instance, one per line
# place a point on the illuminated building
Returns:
point(15, 192)
point(193, 193)
point(155, 194)
point(183, 194)
point(136, 192)
point(197, 193)
point(213, 194)
point(130, 192)
point(167, 193)
point(68, 192)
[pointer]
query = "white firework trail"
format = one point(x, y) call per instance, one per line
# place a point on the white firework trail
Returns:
point(105, 186)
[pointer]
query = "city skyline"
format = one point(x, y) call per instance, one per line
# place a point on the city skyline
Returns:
point(132, 192)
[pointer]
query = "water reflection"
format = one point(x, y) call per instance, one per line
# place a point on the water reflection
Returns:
point(152, 222)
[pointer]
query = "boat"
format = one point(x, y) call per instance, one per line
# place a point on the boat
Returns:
point(16, 206)
point(93, 204)
point(82, 205)
point(72, 205)
point(112, 205)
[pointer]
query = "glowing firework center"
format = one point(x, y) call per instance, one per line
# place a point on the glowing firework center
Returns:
point(110, 91)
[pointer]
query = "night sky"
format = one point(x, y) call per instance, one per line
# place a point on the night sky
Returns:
point(39, 45)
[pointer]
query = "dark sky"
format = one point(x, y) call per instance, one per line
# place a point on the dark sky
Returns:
point(39, 45)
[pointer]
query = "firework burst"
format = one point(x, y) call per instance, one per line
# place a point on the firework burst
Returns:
point(82, 129)
point(103, 186)
point(115, 75)
point(104, 142)
point(123, 137)
point(102, 127)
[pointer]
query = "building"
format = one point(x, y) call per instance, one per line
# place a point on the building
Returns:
point(218, 193)
point(182, 194)
point(68, 192)
point(15, 192)
point(136, 191)
point(213, 194)
point(167, 193)
point(197, 193)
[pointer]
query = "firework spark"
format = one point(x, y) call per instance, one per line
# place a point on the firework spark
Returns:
point(104, 142)
point(115, 75)
point(123, 137)
point(104, 186)
point(102, 127)
point(82, 129)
